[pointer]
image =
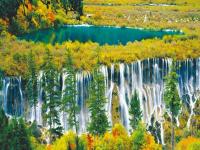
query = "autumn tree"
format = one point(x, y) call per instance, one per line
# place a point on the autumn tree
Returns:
point(171, 97)
point(138, 137)
point(52, 96)
point(135, 111)
point(32, 85)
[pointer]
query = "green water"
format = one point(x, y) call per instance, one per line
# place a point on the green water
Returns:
point(100, 34)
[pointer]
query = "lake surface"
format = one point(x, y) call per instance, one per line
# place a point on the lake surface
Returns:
point(100, 34)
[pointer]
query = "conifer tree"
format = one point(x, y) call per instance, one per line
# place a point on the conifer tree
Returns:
point(32, 85)
point(171, 98)
point(134, 111)
point(3, 129)
point(13, 134)
point(1, 78)
point(52, 96)
point(99, 121)
point(69, 102)
point(65, 5)
point(18, 135)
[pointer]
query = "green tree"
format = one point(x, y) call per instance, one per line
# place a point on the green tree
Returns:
point(1, 78)
point(69, 102)
point(52, 97)
point(171, 98)
point(8, 8)
point(16, 136)
point(138, 137)
point(3, 128)
point(32, 85)
point(65, 5)
point(134, 111)
point(99, 121)
point(76, 5)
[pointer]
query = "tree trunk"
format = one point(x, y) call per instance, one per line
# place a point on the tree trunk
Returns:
point(172, 132)
point(77, 142)
point(35, 111)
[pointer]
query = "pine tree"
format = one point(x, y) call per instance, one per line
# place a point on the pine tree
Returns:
point(19, 135)
point(3, 129)
point(32, 85)
point(69, 99)
point(171, 98)
point(99, 121)
point(65, 4)
point(1, 78)
point(134, 111)
point(13, 134)
point(52, 100)
point(69, 102)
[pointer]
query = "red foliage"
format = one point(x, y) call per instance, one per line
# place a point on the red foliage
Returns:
point(90, 141)
point(51, 16)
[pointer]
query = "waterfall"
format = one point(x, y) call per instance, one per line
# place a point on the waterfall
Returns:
point(146, 77)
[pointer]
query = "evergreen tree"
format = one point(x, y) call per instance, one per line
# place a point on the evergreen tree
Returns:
point(13, 135)
point(8, 8)
point(1, 78)
point(99, 121)
point(76, 5)
point(69, 102)
point(135, 112)
point(17, 137)
point(171, 98)
point(65, 4)
point(32, 85)
point(52, 96)
point(69, 98)
point(3, 129)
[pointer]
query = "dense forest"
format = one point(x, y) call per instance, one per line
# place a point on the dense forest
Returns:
point(50, 76)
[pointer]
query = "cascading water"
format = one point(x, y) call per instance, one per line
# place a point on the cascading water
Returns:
point(146, 77)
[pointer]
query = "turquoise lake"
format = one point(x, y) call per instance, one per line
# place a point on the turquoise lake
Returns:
point(99, 34)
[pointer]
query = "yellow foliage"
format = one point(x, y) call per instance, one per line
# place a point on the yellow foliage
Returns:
point(189, 143)
point(117, 139)
point(66, 141)
point(13, 52)
point(150, 143)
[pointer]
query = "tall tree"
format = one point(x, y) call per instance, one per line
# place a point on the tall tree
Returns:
point(76, 5)
point(99, 121)
point(135, 111)
point(18, 135)
point(8, 8)
point(3, 128)
point(52, 100)
point(171, 97)
point(69, 102)
point(32, 85)
point(1, 79)
point(65, 5)
point(13, 134)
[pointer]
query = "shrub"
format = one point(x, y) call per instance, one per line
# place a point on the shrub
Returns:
point(189, 143)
